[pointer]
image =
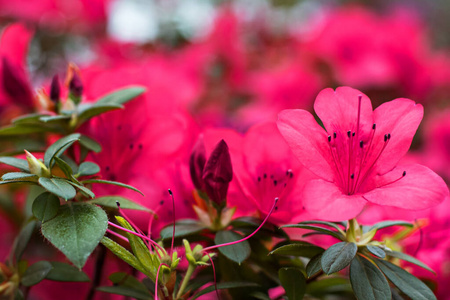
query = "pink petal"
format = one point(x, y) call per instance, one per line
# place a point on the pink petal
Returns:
point(14, 43)
point(420, 188)
point(400, 118)
point(307, 140)
point(324, 200)
point(338, 110)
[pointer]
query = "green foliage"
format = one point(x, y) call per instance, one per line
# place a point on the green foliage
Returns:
point(45, 206)
point(36, 273)
point(64, 272)
point(338, 256)
point(76, 231)
point(237, 252)
point(293, 282)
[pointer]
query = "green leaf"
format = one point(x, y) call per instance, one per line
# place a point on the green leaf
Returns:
point(111, 201)
point(303, 249)
point(90, 144)
point(28, 118)
point(21, 242)
point(18, 176)
point(293, 282)
point(377, 251)
point(67, 170)
point(330, 224)
point(45, 206)
point(326, 286)
point(65, 272)
point(50, 119)
point(407, 283)
point(224, 285)
point(408, 258)
point(237, 252)
point(76, 231)
point(333, 233)
point(15, 162)
point(58, 186)
point(140, 249)
point(182, 228)
point(36, 273)
point(125, 280)
point(89, 110)
point(58, 147)
point(314, 266)
point(121, 96)
point(113, 183)
point(87, 192)
point(367, 281)
point(385, 224)
point(88, 168)
point(21, 129)
point(338, 256)
point(124, 254)
point(125, 291)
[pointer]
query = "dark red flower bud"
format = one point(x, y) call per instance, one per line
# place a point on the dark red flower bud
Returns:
point(197, 163)
point(218, 173)
point(76, 86)
point(55, 89)
point(16, 84)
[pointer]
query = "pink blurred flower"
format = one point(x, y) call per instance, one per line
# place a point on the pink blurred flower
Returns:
point(357, 155)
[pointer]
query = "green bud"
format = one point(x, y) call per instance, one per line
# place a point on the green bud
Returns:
point(36, 166)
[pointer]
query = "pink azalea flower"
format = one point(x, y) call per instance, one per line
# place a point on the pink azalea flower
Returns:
point(267, 169)
point(357, 155)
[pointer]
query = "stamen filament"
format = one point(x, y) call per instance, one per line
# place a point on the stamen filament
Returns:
point(156, 281)
point(117, 235)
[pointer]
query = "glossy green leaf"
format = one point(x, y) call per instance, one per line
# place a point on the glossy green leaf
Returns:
point(89, 110)
point(65, 272)
point(293, 282)
point(338, 256)
point(314, 266)
point(121, 96)
point(386, 224)
point(367, 281)
point(88, 168)
point(67, 170)
point(408, 258)
point(377, 251)
point(333, 233)
point(45, 206)
point(303, 249)
point(36, 273)
point(124, 254)
point(407, 283)
point(113, 183)
point(111, 201)
point(21, 241)
point(53, 119)
point(58, 147)
point(224, 285)
point(28, 118)
point(87, 192)
point(125, 291)
point(90, 144)
point(18, 176)
point(19, 163)
point(327, 285)
point(21, 129)
point(58, 186)
point(237, 252)
point(182, 228)
point(330, 224)
point(76, 231)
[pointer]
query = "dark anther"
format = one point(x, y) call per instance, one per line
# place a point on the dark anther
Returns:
point(161, 202)
point(353, 134)
point(265, 175)
point(291, 175)
point(276, 207)
point(389, 136)
point(374, 126)
point(170, 192)
point(349, 133)
point(385, 137)
point(140, 146)
point(107, 168)
point(361, 144)
point(285, 185)
point(259, 178)
point(287, 172)
point(352, 176)
point(334, 135)
point(118, 203)
point(404, 174)
point(329, 138)
point(131, 146)
point(275, 182)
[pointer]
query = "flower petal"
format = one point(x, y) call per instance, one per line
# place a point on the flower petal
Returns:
point(338, 110)
point(400, 118)
point(326, 201)
point(420, 188)
point(307, 140)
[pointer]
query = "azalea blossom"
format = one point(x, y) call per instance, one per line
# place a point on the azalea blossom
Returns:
point(357, 155)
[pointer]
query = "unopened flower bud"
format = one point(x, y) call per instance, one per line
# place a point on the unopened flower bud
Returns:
point(15, 84)
point(76, 86)
point(36, 166)
point(197, 163)
point(218, 173)
point(55, 89)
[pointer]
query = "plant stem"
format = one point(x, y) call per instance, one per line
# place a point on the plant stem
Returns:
point(186, 279)
point(101, 255)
